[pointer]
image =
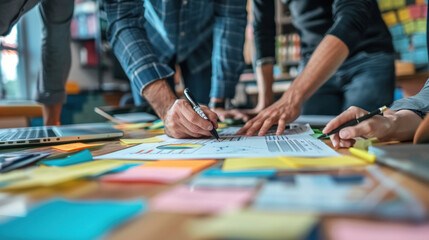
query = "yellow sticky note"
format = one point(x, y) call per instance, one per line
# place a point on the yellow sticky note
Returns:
point(13, 176)
point(74, 146)
point(365, 143)
point(132, 126)
point(253, 225)
point(157, 125)
point(390, 18)
point(404, 14)
point(254, 163)
point(144, 140)
point(341, 161)
point(49, 176)
point(362, 154)
point(222, 125)
point(409, 27)
point(156, 131)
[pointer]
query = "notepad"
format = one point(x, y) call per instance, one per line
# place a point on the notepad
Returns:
point(143, 140)
point(80, 157)
point(74, 146)
point(290, 163)
point(194, 165)
point(253, 225)
point(49, 176)
point(198, 201)
point(151, 175)
point(65, 219)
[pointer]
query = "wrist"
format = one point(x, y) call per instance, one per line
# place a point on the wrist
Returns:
point(391, 124)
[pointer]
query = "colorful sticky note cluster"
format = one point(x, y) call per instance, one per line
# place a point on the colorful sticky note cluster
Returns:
point(140, 141)
point(64, 219)
point(185, 199)
point(290, 162)
point(253, 225)
point(80, 157)
point(150, 175)
point(71, 147)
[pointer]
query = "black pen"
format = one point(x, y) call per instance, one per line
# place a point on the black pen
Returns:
point(355, 121)
point(198, 110)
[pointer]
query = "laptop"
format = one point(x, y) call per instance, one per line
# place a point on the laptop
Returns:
point(11, 137)
point(409, 158)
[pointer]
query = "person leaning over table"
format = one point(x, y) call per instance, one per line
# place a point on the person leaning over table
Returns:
point(56, 54)
point(205, 38)
point(348, 56)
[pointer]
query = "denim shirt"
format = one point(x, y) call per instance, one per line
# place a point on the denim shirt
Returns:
point(148, 34)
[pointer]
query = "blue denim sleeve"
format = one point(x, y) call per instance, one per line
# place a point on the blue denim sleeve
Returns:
point(127, 35)
point(228, 41)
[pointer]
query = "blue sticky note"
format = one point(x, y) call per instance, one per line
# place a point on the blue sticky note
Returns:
point(349, 179)
point(247, 173)
point(64, 219)
point(80, 157)
point(125, 167)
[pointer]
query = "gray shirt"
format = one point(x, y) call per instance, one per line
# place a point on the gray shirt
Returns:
point(56, 56)
point(419, 102)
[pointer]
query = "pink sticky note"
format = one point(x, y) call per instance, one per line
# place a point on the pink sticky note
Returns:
point(189, 200)
point(358, 230)
point(155, 175)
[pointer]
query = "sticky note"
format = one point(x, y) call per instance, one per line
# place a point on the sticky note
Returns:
point(253, 225)
point(341, 161)
point(157, 125)
point(225, 182)
point(370, 230)
point(74, 146)
point(362, 154)
point(143, 140)
point(262, 173)
point(404, 14)
point(194, 165)
point(50, 176)
point(156, 131)
point(64, 219)
point(132, 126)
point(152, 175)
point(80, 157)
point(222, 125)
point(254, 163)
point(409, 27)
point(199, 201)
point(390, 18)
point(363, 144)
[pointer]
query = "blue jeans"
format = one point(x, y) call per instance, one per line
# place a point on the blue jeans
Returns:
point(366, 80)
point(198, 83)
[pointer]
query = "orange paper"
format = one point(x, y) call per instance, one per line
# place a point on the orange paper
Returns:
point(195, 165)
point(74, 146)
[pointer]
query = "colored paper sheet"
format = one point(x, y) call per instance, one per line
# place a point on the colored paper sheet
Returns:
point(189, 200)
point(290, 162)
point(262, 173)
point(71, 147)
point(195, 165)
point(144, 140)
point(49, 176)
point(132, 126)
point(80, 157)
point(254, 163)
point(363, 144)
point(63, 219)
point(370, 230)
point(156, 131)
point(153, 175)
point(225, 182)
point(253, 225)
point(157, 125)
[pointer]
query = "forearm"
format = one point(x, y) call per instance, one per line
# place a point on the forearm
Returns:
point(265, 79)
point(160, 97)
point(324, 62)
point(403, 124)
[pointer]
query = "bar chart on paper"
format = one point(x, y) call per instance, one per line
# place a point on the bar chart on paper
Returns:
point(294, 142)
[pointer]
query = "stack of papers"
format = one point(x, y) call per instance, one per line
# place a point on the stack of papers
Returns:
point(185, 199)
point(63, 219)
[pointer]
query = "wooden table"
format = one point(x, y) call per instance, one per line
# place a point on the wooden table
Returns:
point(153, 225)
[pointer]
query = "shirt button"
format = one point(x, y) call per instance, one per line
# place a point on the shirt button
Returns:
point(182, 34)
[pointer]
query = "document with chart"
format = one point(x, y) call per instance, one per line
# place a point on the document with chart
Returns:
point(295, 141)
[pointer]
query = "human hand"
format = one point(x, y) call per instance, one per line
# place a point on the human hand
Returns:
point(280, 113)
point(181, 121)
point(234, 113)
point(377, 126)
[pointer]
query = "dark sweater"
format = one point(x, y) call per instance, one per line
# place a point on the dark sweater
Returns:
point(357, 23)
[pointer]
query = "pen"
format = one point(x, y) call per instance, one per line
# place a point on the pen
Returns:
point(355, 121)
point(198, 110)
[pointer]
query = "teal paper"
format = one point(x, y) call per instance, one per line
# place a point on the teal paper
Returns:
point(71, 220)
point(80, 157)
point(246, 173)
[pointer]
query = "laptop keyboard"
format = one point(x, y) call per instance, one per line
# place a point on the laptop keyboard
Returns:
point(24, 134)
